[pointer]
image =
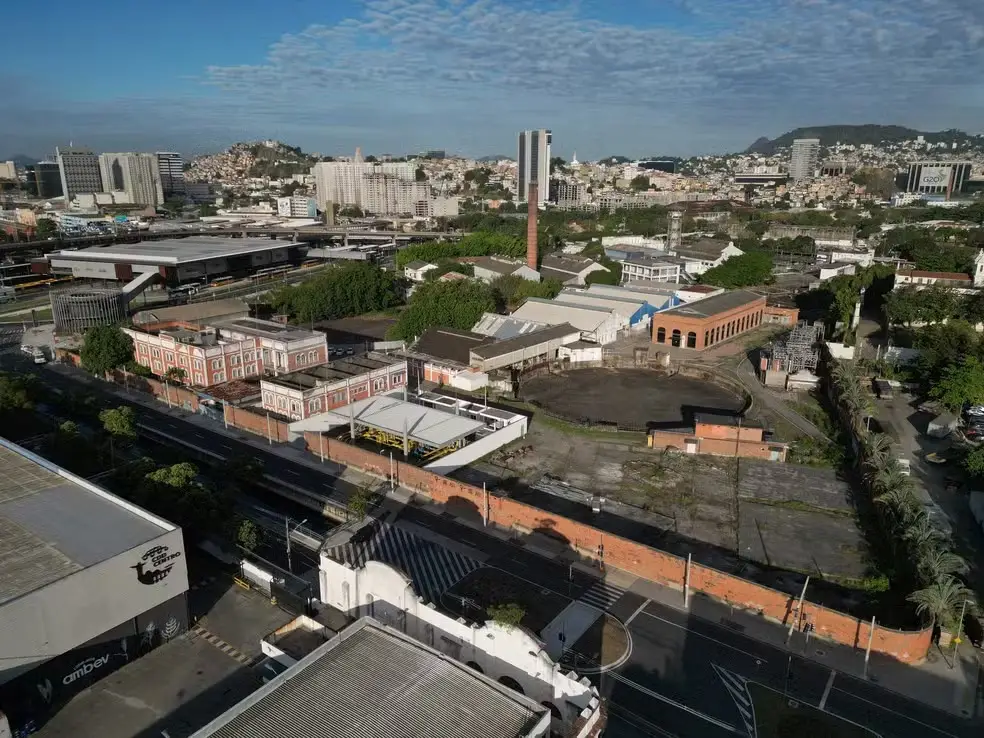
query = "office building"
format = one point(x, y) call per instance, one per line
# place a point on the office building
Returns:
point(134, 174)
point(570, 195)
point(47, 178)
point(803, 158)
point(79, 171)
point(8, 170)
point(938, 177)
point(170, 166)
point(533, 164)
point(297, 206)
point(379, 188)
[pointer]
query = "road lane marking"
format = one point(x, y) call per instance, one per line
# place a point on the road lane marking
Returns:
point(679, 705)
point(636, 613)
point(708, 638)
point(826, 691)
point(226, 446)
point(291, 471)
point(894, 712)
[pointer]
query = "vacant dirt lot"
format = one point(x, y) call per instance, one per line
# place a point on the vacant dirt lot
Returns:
point(629, 397)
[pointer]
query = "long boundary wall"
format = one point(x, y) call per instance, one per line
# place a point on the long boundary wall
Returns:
point(635, 558)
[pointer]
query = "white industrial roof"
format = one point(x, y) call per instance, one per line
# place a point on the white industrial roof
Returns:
point(173, 250)
point(624, 306)
point(505, 326)
point(554, 312)
point(424, 425)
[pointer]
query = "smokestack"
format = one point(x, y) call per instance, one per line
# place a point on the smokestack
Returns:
point(532, 209)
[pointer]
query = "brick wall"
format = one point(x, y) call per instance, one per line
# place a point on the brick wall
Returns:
point(716, 446)
point(260, 424)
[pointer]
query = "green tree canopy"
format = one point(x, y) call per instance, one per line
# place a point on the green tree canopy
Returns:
point(512, 290)
point(46, 228)
point(960, 384)
point(741, 271)
point(639, 183)
point(612, 276)
point(248, 534)
point(120, 422)
point(457, 304)
point(16, 392)
point(349, 289)
point(105, 348)
point(480, 243)
point(176, 493)
point(508, 614)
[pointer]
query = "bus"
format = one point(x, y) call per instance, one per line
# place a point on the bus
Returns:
point(271, 273)
point(221, 281)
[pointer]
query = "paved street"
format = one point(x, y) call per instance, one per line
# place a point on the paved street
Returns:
point(687, 670)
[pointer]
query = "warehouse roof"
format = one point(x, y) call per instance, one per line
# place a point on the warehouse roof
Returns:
point(424, 425)
point(448, 344)
point(527, 340)
point(372, 681)
point(505, 326)
point(335, 371)
point(706, 249)
point(555, 312)
point(172, 251)
point(270, 329)
point(499, 266)
point(624, 306)
point(194, 312)
point(53, 524)
point(714, 305)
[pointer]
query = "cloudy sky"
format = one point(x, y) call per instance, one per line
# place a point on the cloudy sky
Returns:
point(633, 77)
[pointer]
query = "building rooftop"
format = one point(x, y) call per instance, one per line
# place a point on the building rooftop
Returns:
point(662, 261)
point(556, 312)
point(448, 344)
point(498, 326)
point(418, 264)
point(527, 340)
point(708, 249)
point(425, 425)
point(53, 524)
point(934, 275)
point(269, 329)
point(623, 305)
point(173, 251)
point(714, 305)
point(197, 312)
point(334, 371)
point(499, 266)
point(371, 681)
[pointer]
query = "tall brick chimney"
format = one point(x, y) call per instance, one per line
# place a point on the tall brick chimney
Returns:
point(532, 210)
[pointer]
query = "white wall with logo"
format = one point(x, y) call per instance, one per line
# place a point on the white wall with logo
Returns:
point(72, 611)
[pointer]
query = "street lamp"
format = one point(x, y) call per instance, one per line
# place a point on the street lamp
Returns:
point(288, 530)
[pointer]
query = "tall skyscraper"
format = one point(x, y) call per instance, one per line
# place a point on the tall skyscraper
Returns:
point(804, 158)
point(47, 178)
point(134, 174)
point(381, 188)
point(170, 165)
point(79, 171)
point(533, 164)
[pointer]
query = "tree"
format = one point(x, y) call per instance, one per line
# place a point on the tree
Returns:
point(613, 276)
point(15, 392)
point(206, 210)
point(512, 290)
point(938, 564)
point(175, 493)
point(457, 304)
point(120, 422)
point(639, 183)
point(420, 175)
point(175, 375)
point(941, 601)
point(248, 534)
point(961, 384)
point(974, 462)
point(174, 205)
point(350, 289)
point(741, 271)
point(105, 348)
point(508, 615)
point(351, 211)
point(46, 228)
point(359, 502)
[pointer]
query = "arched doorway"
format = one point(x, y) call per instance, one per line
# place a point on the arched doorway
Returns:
point(476, 667)
point(554, 710)
point(511, 683)
point(691, 340)
point(661, 335)
point(675, 337)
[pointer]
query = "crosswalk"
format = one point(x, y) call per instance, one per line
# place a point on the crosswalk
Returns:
point(737, 687)
point(602, 595)
point(432, 568)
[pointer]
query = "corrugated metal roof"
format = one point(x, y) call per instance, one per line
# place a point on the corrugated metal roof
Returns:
point(713, 305)
point(553, 312)
point(371, 681)
point(505, 326)
point(528, 340)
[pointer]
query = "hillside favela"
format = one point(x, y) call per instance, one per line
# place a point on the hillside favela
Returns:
point(363, 376)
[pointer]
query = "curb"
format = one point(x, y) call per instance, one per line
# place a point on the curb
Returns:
point(223, 646)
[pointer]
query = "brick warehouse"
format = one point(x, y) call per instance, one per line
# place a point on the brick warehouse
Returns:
point(699, 325)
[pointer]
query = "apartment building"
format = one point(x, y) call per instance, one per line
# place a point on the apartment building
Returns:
point(642, 269)
point(308, 392)
point(79, 171)
point(378, 187)
point(136, 175)
point(226, 350)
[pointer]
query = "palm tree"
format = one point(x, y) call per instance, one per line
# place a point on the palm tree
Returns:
point(887, 479)
point(900, 500)
point(922, 536)
point(877, 451)
point(937, 564)
point(941, 600)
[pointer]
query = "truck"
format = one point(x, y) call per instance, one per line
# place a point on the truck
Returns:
point(34, 352)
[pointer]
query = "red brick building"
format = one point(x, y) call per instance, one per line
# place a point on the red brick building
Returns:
point(718, 436)
point(704, 323)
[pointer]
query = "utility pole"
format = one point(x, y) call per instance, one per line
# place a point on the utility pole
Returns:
point(287, 532)
point(867, 651)
point(799, 611)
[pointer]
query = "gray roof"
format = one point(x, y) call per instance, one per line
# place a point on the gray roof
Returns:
point(194, 312)
point(334, 371)
point(499, 266)
point(53, 524)
point(570, 264)
point(527, 340)
point(708, 249)
point(713, 305)
point(505, 326)
point(268, 329)
point(415, 265)
point(371, 681)
point(449, 344)
point(171, 251)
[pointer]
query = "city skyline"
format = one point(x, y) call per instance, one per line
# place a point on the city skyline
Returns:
point(679, 77)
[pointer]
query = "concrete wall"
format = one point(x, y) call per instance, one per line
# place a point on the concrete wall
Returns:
point(477, 449)
point(381, 591)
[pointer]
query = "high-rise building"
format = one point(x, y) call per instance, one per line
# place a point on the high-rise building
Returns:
point(381, 188)
point(8, 170)
point(533, 164)
point(804, 158)
point(134, 174)
point(79, 171)
point(170, 165)
point(47, 178)
point(938, 177)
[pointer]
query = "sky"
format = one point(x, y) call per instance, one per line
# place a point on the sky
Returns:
point(629, 77)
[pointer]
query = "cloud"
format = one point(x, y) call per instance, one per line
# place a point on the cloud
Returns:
point(675, 76)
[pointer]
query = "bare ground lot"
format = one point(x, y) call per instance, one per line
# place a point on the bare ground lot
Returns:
point(788, 517)
point(629, 397)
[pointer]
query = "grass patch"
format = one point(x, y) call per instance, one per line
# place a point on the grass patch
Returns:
point(777, 716)
point(489, 588)
point(41, 313)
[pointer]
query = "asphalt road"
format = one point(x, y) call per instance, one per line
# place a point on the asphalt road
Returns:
point(676, 679)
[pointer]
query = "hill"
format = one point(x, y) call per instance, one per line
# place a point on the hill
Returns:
point(858, 135)
point(252, 159)
point(21, 160)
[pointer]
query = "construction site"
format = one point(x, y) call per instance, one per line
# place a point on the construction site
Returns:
point(790, 362)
